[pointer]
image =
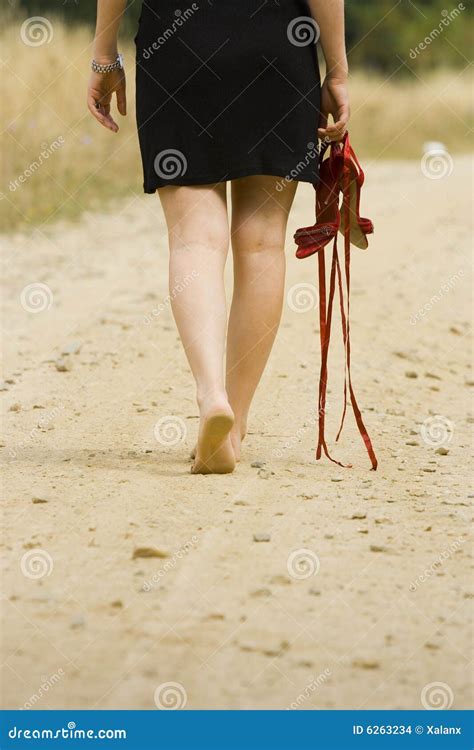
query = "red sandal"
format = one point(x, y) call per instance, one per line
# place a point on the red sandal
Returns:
point(340, 172)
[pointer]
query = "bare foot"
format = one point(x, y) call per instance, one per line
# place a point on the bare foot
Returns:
point(214, 453)
point(236, 436)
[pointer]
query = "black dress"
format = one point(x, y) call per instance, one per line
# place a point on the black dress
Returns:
point(226, 89)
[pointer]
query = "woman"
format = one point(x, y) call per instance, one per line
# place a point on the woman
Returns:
point(226, 91)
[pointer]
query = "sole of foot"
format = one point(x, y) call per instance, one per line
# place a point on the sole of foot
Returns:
point(214, 451)
point(236, 444)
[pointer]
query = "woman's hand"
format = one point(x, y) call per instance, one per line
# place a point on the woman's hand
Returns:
point(99, 96)
point(334, 102)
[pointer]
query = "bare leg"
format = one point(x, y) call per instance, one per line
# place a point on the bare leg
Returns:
point(199, 238)
point(259, 219)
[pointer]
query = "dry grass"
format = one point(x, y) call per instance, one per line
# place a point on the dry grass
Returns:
point(43, 96)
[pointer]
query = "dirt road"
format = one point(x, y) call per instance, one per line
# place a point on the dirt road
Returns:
point(356, 595)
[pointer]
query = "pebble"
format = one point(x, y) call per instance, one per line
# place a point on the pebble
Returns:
point(280, 580)
point(77, 622)
point(74, 347)
point(314, 592)
point(15, 407)
point(240, 502)
point(148, 552)
point(258, 464)
point(37, 500)
point(412, 442)
point(359, 515)
point(411, 374)
point(262, 537)
point(260, 592)
point(62, 365)
point(337, 479)
point(365, 664)
point(442, 451)
point(429, 470)
point(377, 548)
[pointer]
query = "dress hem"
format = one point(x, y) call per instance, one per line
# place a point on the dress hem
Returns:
point(152, 187)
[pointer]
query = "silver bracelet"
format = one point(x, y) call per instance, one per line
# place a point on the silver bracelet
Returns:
point(108, 67)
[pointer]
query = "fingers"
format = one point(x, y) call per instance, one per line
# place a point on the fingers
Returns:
point(335, 131)
point(101, 113)
point(122, 99)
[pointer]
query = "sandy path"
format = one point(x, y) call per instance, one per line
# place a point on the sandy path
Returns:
point(222, 615)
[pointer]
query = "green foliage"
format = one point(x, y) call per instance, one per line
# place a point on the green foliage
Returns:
point(381, 35)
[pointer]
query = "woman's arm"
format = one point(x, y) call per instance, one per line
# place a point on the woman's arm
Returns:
point(329, 15)
point(103, 85)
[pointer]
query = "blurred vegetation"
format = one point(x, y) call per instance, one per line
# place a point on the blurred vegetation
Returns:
point(380, 35)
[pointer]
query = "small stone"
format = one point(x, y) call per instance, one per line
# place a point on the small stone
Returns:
point(377, 548)
point(258, 464)
point(432, 376)
point(337, 479)
point(429, 470)
point(280, 580)
point(15, 407)
point(442, 451)
point(264, 474)
point(411, 374)
point(63, 365)
point(257, 593)
point(262, 537)
point(412, 442)
point(148, 552)
point(77, 622)
point(117, 604)
point(359, 514)
point(74, 347)
point(314, 592)
point(37, 500)
point(366, 664)
point(240, 502)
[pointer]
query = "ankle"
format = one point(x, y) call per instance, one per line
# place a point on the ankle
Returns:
point(212, 397)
